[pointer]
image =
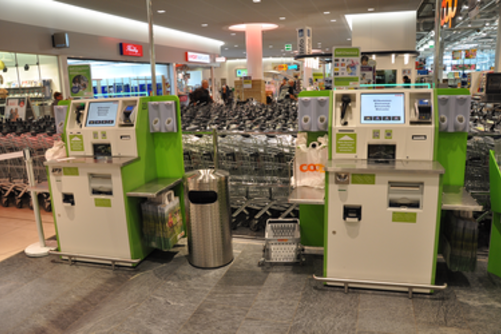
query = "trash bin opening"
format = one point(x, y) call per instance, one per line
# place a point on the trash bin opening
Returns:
point(202, 197)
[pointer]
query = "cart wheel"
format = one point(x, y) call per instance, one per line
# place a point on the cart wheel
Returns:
point(47, 206)
point(261, 263)
point(254, 225)
point(5, 201)
point(19, 203)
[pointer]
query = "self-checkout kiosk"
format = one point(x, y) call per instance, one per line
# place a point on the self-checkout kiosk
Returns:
point(396, 164)
point(115, 161)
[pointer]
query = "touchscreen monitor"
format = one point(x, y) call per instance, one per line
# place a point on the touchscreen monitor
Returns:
point(382, 108)
point(102, 114)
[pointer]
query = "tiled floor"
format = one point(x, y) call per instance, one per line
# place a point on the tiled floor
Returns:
point(18, 229)
point(167, 295)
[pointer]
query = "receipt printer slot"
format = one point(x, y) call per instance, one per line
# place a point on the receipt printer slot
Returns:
point(352, 213)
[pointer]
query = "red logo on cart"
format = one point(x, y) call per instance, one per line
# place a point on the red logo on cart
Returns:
point(305, 168)
point(127, 49)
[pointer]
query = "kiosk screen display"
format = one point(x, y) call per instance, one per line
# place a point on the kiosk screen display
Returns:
point(382, 108)
point(102, 114)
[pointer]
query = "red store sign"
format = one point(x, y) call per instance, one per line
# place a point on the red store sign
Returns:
point(127, 49)
point(194, 57)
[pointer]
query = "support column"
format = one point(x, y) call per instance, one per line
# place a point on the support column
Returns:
point(497, 68)
point(254, 49)
point(438, 40)
point(149, 9)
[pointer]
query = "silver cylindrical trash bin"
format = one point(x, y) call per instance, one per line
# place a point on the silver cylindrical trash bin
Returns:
point(209, 219)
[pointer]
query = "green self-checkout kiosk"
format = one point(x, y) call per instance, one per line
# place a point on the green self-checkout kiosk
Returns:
point(120, 151)
point(396, 164)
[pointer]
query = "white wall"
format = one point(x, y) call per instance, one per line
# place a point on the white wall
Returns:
point(384, 31)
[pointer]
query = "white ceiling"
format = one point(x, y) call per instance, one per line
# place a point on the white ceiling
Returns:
point(189, 15)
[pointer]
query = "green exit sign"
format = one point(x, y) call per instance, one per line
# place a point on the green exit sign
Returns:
point(288, 47)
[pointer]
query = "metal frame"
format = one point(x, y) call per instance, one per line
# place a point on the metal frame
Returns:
point(113, 261)
point(408, 286)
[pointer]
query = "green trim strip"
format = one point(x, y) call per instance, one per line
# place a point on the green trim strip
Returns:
point(326, 221)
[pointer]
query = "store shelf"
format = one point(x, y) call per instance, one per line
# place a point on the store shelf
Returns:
point(155, 187)
point(456, 198)
point(307, 195)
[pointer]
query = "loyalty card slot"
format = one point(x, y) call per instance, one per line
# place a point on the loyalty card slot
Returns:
point(100, 184)
point(352, 213)
point(405, 195)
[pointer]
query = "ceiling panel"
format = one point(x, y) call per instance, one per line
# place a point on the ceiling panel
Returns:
point(189, 15)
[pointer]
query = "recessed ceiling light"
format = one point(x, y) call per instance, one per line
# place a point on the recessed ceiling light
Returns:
point(282, 18)
point(487, 24)
point(349, 39)
point(333, 20)
point(370, 9)
point(236, 45)
point(469, 25)
point(256, 1)
point(233, 34)
point(271, 46)
point(161, 11)
point(245, 52)
point(326, 13)
point(326, 49)
point(460, 18)
point(226, 48)
point(282, 50)
point(204, 24)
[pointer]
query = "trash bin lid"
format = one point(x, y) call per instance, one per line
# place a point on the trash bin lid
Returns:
point(205, 176)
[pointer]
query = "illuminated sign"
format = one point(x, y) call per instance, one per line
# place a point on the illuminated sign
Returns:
point(127, 49)
point(194, 57)
point(294, 67)
point(242, 72)
point(288, 47)
point(282, 67)
point(448, 11)
point(220, 59)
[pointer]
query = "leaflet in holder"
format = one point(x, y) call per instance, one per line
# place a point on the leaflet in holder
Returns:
point(382, 108)
point(102, 114)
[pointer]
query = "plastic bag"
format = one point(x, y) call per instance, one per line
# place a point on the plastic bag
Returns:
point(310, 162)
point(162, 222)
point(58, 151)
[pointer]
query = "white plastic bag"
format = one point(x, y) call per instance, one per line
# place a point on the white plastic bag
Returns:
point(310, 163)
point(58, 151)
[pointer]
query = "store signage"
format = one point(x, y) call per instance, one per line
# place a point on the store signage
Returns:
point(448, 11)
point(304, 40)
point(282, 67)
point(134, 50)
point(247, 81)
point(80, 80)
point(288, 47)
point(241, 72)
point(346, 66)
point(194, 57)
point(294, 67)
point(220, 59)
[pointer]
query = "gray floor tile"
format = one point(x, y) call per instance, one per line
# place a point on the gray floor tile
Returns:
point(237, 296)
point(276, 304)
point(166, 310)
point(70, 305)
point(482, 311)
point(325, 310)
point(253, 326)
point(214, 318)
point(24, 269)
point(114, 310)
point(443, 330)
point(386, 313)
point(441, 309)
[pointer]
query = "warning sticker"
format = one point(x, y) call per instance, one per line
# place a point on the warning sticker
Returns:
point(346, 143)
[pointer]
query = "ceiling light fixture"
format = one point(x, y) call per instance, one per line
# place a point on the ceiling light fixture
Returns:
point(349, 39)
point(282, 18)
point(271, 46)
point(233, 33)
point(327, 13)
point(204, 24)
point(256, 1)
point(236, 45)
point(161, 11)
point(370, 9)
point(226, 48)
point(487, 24)
point(333, 20)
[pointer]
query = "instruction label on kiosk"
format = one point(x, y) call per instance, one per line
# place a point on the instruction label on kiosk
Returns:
point(346, 67)
point(102, 202)
point(404, 217)
point(346, 143)
point(70, 171)
point(76, 143)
